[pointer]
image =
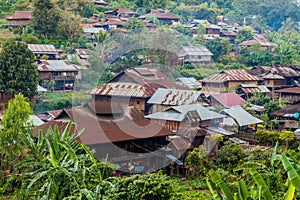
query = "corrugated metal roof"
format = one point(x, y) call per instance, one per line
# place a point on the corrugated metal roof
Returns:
point(274, 72)
point(178, 113)
point(19, 14)
point(57, 65)
point(220, 130)
point(258, 39)
point(252, 88)
point(231, 75)
point(35, 120)
point(42, 48)
point(131, 125)
point(190, 83)
point(242, 117)
point(164, 96)
point(195, 51)
point(294, 90)
point(159, 14)
point(181, 143)
point(287, 110)
point(121, 89)
point(228, 99)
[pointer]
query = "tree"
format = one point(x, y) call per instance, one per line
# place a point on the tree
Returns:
point(17, 71)
point(70, 26)
point(218, 47)
point(134, 23)
point(45, 17)
point(14, 124)
point(244, 34)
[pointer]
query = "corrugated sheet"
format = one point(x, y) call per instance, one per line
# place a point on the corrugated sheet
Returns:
point(121, 89)
point(227, 99)
point(181, 144)
point(19, 14)
point(61, 125)
point(242, 117)
point(190, 83)
point(294, 90)
point(178, 113)
point(57, 65)
point(42, 48)
point(106, 129)
point(231, 75)
point(153, 80)
point(258, 39)
point(195, 51)
point(287, 110)
point(164, 96)
point(276, 71)
point(159, 14)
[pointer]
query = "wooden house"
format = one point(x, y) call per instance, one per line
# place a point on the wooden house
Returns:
point(123, 93)
point(62, 73)
point(195, 54)
point(248, 90)
point(287, 117)
point(274, 77)
point(19, 18)
point(120, 13)
point(109, 24)
point(261, 40)
point(44, 51)
point(213, 30)
point(291, 95)
point(227, 80)
point(165, 98)
point(228, 34)
point(164, 16)
point(174, 118)
point(120, 134)
point(101, 3)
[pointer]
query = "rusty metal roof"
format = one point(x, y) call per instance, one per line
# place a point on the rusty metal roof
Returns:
point(121, 89)
point(227, 99)
point(181, 143)
point(287, 111)
point(173, 97)
point(152, 79)
point(231, 75)
point(258, 39)
point(83, 53)
point(276, 72)
point(294, 90)
point(131, 125)
point(57, 65)
point(159, 14)
point(20, 14)
point(42, 48)
point(61, 125)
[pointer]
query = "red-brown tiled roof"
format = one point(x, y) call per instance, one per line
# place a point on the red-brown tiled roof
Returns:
point(230, 75)
point(228, 99)
point(18, 14)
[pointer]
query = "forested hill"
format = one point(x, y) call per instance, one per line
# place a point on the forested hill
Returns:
point(262, 15)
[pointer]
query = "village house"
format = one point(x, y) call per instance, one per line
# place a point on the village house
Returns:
point(164, 98)
point(227, 80)
point(226, 99)
point(122, 93)
point(173, 117)
point(212, 30)
point(120, 13)
point(228, 34)
point(60, 74)
point(19, 18)
point(189, 82)
point(164, 16)
point(240, 121)
point(195, 54)
point(44, 51)
point(277, 76)
point(101, 3)
point(248, 90)
point(150, 78)
point(288, 117)
point(261, 40)
point(120, 134)
point(291, 95)
point(82, 56)
point(108, 24)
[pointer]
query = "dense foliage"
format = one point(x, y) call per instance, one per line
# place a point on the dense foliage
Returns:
point(17, 71)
